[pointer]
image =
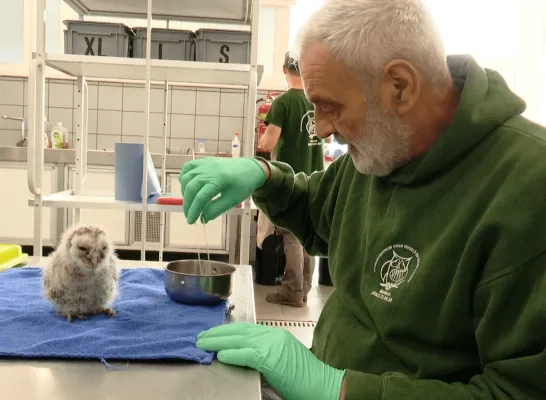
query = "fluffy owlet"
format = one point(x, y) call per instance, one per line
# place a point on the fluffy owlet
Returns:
point(82, 278)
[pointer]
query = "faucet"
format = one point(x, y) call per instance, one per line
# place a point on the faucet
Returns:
point(23, 142)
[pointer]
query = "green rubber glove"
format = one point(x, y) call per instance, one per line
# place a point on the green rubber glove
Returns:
point(234, 179)
point(287, 365)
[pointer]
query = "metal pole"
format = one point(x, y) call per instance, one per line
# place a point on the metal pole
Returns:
point(146, 137)
point(85, 130)
point(164, 167)
point(80, 121)
point(249, 149)
point(38, 123)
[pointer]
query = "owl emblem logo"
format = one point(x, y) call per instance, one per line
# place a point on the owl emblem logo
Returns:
point(394, 271)
point(308, 121)
point(292, 62)
point(394, 266)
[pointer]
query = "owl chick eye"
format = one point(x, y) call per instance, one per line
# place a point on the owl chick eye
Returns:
point(103, 247)
point(82, 248)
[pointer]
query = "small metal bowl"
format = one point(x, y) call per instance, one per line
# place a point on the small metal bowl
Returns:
point(186, 283)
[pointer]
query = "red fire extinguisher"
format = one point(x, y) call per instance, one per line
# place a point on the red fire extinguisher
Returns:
point(262, 112)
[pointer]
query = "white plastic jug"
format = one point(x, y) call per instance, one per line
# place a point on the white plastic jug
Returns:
point(59, 135)
point(236, 147)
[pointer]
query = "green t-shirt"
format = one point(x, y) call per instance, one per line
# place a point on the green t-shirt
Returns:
point(298, 145)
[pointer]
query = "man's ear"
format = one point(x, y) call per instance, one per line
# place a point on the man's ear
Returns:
point(284, 70)
point(400, 87)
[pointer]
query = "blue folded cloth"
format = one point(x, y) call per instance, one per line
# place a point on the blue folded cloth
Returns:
point(148, 325)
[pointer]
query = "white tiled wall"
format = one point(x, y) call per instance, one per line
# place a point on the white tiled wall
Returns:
point(116, 113)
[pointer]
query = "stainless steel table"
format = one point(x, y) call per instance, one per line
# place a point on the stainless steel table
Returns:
point(91, 380)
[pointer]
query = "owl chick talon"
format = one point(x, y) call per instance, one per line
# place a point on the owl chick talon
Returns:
point(107, 311)
point(68, 316)
point(71, 317)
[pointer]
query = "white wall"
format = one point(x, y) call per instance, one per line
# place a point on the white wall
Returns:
point(116, 113)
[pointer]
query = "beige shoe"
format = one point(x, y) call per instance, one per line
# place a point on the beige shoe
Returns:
point(276, 298)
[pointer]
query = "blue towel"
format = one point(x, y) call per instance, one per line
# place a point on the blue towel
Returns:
point(148, 325)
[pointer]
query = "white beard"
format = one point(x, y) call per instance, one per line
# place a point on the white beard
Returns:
point(382, 145)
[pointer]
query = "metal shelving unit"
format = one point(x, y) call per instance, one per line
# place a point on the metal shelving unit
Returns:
point(244, 12)
point(91, 200)
point(118, 68)
point(221, 11)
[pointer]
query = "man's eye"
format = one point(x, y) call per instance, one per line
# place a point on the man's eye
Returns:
point(326, 107)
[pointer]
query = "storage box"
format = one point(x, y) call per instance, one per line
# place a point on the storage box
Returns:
point(11, 255)
point(167, 44)
point(97, 39)
point(222, 46)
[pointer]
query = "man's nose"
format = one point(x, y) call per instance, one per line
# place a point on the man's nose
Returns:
point(324, 127)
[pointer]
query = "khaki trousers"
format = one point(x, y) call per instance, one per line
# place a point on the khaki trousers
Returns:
point(298, 272)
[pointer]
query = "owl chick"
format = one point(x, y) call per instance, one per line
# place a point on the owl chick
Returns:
point(82, 278)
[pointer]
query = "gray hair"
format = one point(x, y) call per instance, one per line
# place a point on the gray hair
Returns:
point(368, 34)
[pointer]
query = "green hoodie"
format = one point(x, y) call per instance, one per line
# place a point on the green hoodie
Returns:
point(440, 268)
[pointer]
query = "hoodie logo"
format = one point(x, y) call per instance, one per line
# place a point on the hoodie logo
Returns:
point(395, 265)
point(308, 122)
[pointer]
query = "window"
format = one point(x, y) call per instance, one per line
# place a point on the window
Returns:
point(299, 14)
point(13, 37)
point(18, 30)
point(266, 41)
point(54, 22)
point(464, 32)
point(11, 32)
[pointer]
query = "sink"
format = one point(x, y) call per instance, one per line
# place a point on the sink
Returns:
point(13, 153)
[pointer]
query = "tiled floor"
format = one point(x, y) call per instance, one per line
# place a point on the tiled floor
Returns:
point(294, 319)
point(309, 313)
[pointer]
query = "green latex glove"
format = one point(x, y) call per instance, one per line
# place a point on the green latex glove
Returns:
point(287, 365)
point(234, 179)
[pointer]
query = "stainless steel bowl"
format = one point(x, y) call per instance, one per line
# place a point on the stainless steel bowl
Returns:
point(186, 283)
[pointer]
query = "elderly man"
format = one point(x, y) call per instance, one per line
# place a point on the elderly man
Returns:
point(433, 224)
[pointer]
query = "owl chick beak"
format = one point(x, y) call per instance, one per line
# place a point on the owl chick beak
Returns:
point(94, 257)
